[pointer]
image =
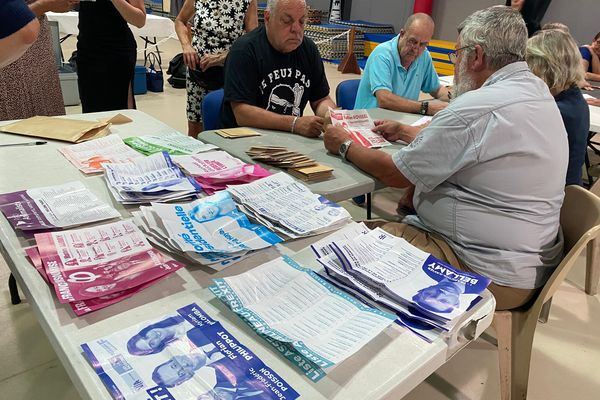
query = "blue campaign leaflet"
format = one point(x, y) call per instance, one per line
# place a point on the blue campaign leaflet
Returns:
point(186, 355)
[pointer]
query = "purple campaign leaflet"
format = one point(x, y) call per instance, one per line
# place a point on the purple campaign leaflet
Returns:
point(86, 263)
point(22, 212)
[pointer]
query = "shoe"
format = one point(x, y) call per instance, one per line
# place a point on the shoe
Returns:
point(360, 200)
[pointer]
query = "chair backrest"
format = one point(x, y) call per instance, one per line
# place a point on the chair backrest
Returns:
point(345, 94)
point(580, 222)
point(211, 109)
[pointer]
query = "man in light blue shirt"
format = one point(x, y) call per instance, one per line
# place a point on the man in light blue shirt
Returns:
point(399, 69)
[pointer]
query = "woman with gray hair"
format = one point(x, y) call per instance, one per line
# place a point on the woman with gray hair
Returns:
point(553, 56)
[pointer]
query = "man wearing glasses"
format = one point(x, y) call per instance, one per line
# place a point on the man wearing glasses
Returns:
point(399, 69)
point(488, 172)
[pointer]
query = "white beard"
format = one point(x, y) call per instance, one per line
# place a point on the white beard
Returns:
point(463, 82)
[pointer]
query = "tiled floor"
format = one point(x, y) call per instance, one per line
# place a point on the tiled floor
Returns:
point(565, 361)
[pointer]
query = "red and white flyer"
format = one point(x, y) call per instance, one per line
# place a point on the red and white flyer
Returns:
point(92, 262)
point(359, 125)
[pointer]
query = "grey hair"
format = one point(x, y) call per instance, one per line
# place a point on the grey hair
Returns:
point(418, 17)
point(272, 4)
point(556, 25)
point(553, 56)
point(500, 31)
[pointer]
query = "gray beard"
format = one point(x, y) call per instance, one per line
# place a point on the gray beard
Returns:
point(463, 81)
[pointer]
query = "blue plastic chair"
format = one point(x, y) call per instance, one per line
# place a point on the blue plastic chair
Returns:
point(211, 109)
point(345, 93)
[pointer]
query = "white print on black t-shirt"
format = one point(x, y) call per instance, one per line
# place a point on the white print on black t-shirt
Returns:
point(283, 96)
point(280, 94)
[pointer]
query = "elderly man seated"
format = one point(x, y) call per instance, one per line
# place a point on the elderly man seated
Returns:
point(273, 71)
point(399, 69)
point(489, 171)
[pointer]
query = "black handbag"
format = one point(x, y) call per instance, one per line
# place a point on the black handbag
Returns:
point(211, 79)
point(154, 77)
point(177, 70)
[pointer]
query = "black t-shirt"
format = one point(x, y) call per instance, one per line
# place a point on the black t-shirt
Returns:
point(259, 75)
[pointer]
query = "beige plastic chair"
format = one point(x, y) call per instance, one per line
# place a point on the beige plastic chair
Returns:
point(580, 221)
point(592, 266)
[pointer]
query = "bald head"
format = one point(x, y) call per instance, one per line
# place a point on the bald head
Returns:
point(420, 19)
point(273, 4)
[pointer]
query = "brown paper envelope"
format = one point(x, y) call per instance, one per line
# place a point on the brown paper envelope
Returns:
point(317, 169)
point(238, 132)
point(68, 130)
point(118, 119)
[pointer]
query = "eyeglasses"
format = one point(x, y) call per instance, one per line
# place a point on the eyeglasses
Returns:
point(452, 56)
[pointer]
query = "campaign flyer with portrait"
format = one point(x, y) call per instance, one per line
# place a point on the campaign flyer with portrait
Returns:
point(359, 125)
point(183, 356)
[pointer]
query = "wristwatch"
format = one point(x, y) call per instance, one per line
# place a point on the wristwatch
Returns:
point(344, 149)
point(424, 107)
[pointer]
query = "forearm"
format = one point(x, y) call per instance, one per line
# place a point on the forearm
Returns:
point(134, 13)
point(256, 117)
point(40, 7)
point(13, 46)
point(183, 33)
point(378, 164)
point(321, 108)
point(251, 18)
point(390, 101)
point(590, 76)
point(441, 93)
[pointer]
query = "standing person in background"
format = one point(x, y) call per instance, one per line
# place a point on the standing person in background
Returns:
point(552, 55)
point(532, 12)
point(106, 53)
point(30, 85)
point(18, 30)
point(215, 26)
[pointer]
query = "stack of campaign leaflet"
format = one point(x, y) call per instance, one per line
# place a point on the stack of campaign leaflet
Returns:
point(185, 355)
point(89, 156)
point(173, 143)
point(214, 170)
point(54, 207)
point(359, 125)
point(429, 296)
point(91, 268)
point(282, 203)
point(210, 231)
point(305, 317)
point(147, 179)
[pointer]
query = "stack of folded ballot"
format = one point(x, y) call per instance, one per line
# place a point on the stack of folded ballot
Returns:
point(307, 319)
point(91, 268)
point(153, 178)
point(214, 170)
point(296, 163)
point(210, 231)
point(429, 296)
point(286, 205)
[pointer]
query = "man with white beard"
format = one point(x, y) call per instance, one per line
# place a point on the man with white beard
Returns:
point(488, 172)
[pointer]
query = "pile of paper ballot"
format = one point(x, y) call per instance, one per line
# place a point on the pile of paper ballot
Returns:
point(210, 231)
point(153, 178)
point(214, 170)
point(307, 319)
point(282, 203)
point(92, 268)
point(428, 295)
point(173, 143)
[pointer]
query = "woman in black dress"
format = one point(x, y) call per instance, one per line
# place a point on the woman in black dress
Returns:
point(106, 53)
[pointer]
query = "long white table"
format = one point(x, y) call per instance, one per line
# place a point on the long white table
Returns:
point(348, 181)
point(388, 367)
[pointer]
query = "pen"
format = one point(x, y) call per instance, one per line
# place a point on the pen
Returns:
point(36, 143)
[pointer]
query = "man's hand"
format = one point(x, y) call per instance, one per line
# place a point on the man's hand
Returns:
point(334, 137)
point(211, 60)
point(436, 106)
point(190, 56)
point(309, 126)
point(394, 131)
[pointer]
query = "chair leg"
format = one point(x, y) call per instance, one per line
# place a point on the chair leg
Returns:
point(515, 339)
point(545, 312)
point(592, 268)
point(369, 205)
point(14, 291)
